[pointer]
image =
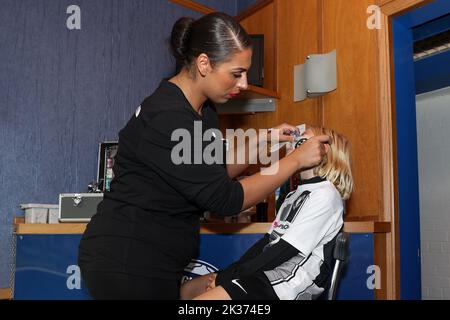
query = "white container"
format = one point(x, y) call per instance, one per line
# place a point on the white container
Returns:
point(35, 213)
point(53, 214)
point(39, 213)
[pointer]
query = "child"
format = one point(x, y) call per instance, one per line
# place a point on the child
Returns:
point(294, 260)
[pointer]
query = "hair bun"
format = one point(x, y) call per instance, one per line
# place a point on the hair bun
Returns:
point(180, 37)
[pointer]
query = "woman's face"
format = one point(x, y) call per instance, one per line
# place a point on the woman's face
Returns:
point(225, 80)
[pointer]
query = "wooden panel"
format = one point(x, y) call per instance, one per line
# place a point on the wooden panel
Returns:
point(397, 6)
point(206, 228)
point(367, 227)
point(271, 207)
point(18, 220)
point(386, 256)
point(387, 246)
point(79, 228)
point(352, 108)
point(298, 33)
point(58, 228)
point(380, 243)
point(254, 92)
point(295, 26)
point(5, 294)
point(234, 228)
point(393, 8)
point(262, 22)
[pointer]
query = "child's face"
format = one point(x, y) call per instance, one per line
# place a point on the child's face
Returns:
point(299, 140)
point(304, 137)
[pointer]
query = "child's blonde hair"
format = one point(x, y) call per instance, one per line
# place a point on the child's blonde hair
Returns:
point(336, 165)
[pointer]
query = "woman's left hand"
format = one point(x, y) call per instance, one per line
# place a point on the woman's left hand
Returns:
point(282, 133)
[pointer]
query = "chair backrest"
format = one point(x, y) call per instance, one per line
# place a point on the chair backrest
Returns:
point(340, 253)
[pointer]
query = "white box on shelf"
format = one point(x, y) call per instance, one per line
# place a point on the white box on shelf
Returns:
point(36, 213)
point(53, 214)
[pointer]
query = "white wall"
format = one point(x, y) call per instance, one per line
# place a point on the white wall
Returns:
point(433, 134)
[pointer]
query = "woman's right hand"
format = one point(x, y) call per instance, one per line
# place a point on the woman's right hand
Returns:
point(311, 152)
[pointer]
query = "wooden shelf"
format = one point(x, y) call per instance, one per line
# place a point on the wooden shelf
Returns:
point(5, 294)
point(248, 228)
point(57, 228)
point(251, 101)
point(254, 92)
point(206, 228)
point(367, 227)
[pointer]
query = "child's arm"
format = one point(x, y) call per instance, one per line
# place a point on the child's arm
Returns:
point(265, 260)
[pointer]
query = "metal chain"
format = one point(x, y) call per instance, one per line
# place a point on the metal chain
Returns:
point(12, 271)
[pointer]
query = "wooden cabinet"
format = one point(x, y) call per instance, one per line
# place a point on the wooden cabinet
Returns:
point(292, 30)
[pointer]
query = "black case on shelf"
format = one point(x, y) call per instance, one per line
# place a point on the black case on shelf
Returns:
point(78, 207)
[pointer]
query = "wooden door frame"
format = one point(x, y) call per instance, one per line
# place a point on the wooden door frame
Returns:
point(387, 246)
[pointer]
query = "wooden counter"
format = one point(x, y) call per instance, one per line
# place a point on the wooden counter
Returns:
point(206, 228)
point(5, 293)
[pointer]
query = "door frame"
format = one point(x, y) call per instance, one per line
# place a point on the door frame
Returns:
point(397, 123)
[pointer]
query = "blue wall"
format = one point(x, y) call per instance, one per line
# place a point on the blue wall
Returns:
point(433, 72)
point(228, 6)
point(62, 91)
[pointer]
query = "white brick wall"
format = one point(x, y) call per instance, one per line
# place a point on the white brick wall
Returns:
point(433, 139)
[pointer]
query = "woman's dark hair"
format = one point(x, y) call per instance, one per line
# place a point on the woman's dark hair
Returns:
point(217, 34)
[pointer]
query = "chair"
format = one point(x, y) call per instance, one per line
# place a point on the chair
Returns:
point(340, 253)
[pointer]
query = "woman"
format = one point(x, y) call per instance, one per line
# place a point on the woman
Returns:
point(146, 229)
point(294, 259)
